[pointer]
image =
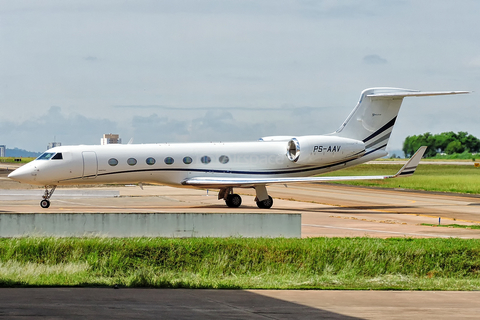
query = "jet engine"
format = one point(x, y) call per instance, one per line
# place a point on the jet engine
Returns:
point(309, 150)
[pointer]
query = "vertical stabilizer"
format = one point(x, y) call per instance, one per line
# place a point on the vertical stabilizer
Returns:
point(373, 118)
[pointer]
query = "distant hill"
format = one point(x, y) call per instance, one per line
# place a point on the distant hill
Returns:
point(21, 153)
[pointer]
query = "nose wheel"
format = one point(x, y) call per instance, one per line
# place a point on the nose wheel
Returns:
point(45, 203)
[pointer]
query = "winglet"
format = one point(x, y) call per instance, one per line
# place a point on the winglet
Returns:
point(409, 168)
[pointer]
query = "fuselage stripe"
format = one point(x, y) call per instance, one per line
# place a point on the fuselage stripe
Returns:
point(385, 137)
point(283, 171)
point(382, 129)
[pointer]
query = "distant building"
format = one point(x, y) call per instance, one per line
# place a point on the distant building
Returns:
point(110, 138)
point(3, 148)
point(53, 145)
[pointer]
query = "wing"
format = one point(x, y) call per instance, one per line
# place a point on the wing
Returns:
point(407, 170)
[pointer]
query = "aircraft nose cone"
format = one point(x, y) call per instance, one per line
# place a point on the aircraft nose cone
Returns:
point(21, 174)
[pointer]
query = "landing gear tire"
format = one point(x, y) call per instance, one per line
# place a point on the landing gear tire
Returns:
point(45, 203)
point(233, 200)
point(265, 204)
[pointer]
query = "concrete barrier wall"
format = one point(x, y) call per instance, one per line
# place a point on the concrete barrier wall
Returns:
point(180, 225)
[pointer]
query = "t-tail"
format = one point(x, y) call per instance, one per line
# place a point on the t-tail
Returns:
point(374, 117)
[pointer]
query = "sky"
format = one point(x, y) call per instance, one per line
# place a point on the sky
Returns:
point(209, 70)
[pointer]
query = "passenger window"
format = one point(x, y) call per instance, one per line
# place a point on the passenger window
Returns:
point(206, 159)
point(223, 159)
point(58, 156)
point(187, 160)
point(132, 161)
point(113, 162)
point(150, 161)
point(169, 160)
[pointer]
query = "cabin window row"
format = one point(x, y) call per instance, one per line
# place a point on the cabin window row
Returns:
point(169, 160)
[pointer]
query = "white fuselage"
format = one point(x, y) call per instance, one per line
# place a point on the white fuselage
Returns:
point(171, 164)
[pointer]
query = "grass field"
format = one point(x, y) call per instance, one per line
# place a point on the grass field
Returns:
point(318, 263)
point(15, 160)
point(428, 177)
point(462, 226)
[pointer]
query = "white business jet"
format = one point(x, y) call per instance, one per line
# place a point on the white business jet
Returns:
point(362, 137)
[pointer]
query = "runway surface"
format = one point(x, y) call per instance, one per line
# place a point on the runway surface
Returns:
point(327, 210)
point(107, 303)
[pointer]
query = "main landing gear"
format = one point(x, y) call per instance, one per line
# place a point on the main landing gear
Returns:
point(233, 200)
point(45, 203)
point(265, 204)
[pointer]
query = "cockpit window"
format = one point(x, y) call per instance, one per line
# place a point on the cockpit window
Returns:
point(46, 156)
point(58, 156)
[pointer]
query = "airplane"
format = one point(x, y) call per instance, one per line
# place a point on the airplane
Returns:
point(362, 137)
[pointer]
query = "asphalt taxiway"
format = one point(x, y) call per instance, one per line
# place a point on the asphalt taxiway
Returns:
point(107, 303)
point(327, 210)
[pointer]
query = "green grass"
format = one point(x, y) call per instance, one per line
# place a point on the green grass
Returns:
point(439, 178)
point(13, 159)
point(317, 263)
point(464, 155)
point(471, 226)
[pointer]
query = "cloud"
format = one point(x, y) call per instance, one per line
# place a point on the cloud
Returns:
point(169, 125)
point(303, 112)
point(374, 59)
point(155, 129)
point(219, 125)
point(34, 134)
point(176, 108)
point(475, 62)
point(90, 58)
point(203, 126)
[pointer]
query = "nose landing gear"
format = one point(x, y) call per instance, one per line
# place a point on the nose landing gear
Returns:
point(45, 203)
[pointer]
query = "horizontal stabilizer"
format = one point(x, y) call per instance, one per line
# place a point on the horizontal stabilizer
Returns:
point(401, 94)
point(407, 170)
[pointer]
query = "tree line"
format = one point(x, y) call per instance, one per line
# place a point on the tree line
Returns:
point(445, 142)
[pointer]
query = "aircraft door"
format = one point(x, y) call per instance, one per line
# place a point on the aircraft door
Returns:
point(90, 165)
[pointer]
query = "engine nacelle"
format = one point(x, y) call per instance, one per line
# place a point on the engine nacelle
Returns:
point(323, 149)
